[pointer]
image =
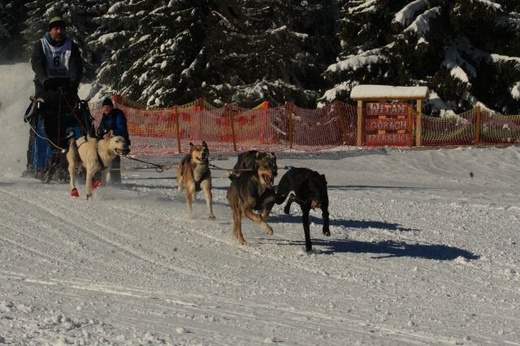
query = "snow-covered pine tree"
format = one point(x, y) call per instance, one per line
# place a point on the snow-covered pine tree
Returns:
point(12, 17)
point(233, 51)
point(457, 48)
point(150, 48)
point(272, 50)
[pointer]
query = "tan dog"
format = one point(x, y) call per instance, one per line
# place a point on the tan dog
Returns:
point(248, 192)
point(93, 155)
point(194, 175)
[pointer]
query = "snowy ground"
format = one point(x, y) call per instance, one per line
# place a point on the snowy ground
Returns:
point(421, 253)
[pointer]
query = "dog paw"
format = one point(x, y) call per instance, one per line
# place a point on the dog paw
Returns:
point(211, 217)
point(268, 230)
point(95, 183)
point(326, 232)
point(74, 192)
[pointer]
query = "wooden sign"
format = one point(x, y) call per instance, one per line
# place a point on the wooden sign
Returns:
point(387, 124)
point(391, 124)
point(386, 109)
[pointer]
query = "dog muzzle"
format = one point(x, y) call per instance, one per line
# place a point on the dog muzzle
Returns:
point(269, 180)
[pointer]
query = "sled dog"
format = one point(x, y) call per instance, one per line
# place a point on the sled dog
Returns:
point(194, 175)
point(247, 159)
point(248, 192)
point(93, 155)
point(310, 191)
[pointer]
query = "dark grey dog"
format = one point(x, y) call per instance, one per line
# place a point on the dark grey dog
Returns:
point(310, 191)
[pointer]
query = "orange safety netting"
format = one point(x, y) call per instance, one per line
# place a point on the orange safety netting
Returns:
point(167, 131)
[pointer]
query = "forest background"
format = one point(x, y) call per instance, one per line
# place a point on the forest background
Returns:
point(164, 53)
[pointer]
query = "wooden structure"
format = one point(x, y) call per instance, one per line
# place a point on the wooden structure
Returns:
point(385, 115)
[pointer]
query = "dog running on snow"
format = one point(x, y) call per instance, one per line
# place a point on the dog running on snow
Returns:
point(94, 155)
point(194, 175)
point(246, 161)
point(310, 192)
point(250, 190)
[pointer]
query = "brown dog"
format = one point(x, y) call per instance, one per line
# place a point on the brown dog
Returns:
point(247, 159)
point(248, 192)
point(93, 155)
point(194, 175)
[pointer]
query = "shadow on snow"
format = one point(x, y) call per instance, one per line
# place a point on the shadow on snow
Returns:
point(381, 249)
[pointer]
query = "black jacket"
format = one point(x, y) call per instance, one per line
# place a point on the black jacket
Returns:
point(50, 89)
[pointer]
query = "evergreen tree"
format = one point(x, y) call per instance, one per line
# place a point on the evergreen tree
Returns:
point(453, 47)
point(12, 17)
point(161, 53)
point(272, 50)
point(224, 51)
point(149, 49)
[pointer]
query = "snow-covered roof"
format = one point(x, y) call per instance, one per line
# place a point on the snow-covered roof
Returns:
point(388, 92)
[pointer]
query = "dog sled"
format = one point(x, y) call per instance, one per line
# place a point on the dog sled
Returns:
point(51, 126)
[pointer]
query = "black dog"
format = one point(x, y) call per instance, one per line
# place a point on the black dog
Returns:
point(310, 191)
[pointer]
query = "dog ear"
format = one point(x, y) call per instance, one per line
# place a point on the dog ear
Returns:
point(324, 179)
point(205, 144)
point(108, 135)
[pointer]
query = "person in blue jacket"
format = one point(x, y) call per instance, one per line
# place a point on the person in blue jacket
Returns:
point(113, 119)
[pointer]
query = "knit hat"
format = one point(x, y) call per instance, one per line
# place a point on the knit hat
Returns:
point(107, 102)
point(57, 22)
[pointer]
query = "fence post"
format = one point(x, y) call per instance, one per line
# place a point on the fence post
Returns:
point(289, 108)
point(232, 123)
point(359, 125)
point(265, 122)
point(478, 125)
point(418, 124)
point(178, 126)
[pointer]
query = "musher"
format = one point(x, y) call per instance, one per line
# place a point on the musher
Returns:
point(55, 116)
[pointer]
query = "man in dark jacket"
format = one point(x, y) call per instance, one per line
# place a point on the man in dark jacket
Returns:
point(113, 119)
point(57, 64)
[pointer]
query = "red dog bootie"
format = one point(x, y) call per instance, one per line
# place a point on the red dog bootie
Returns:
point(95, 183)
point(74, 192)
